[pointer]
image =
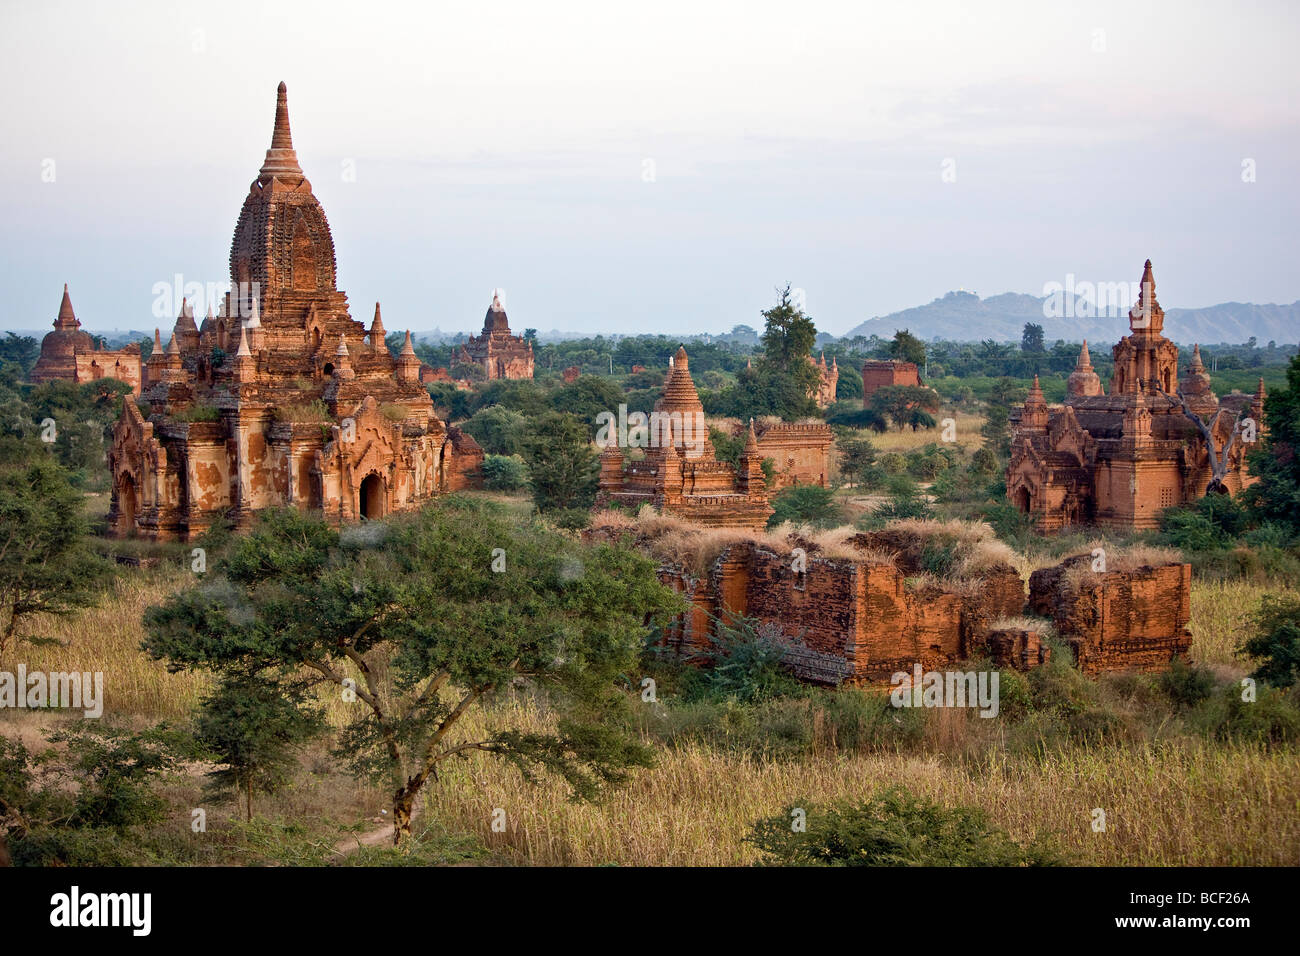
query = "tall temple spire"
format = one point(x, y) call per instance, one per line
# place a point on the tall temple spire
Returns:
point(377, 332)
point(408, 363)
point(1084, 382)
point(1146, 315)
point(67, 318)
point(281, 160)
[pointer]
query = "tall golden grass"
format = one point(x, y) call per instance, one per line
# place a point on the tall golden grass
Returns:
point(1175, 804)
point(106, 637)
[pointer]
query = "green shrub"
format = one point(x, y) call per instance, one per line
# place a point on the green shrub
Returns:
point(892, 828)
point(743, 663)
point(504, 473)
point(1276, 642)
point(806, 504)
point(1186, 684)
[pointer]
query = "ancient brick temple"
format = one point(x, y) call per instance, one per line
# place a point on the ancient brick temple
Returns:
point(800, 451)
point(1117, 459)
point(679, 473)
point(282, 398)
point(500, 353)
point(878, 374)
point(829, 377)
point(71, 354)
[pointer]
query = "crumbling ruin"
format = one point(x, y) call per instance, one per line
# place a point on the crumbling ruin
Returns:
point(861, 608)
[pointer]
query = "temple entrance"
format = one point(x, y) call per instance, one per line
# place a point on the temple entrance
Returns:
point(126, 506)
point(1022, 499)
point(372, 497)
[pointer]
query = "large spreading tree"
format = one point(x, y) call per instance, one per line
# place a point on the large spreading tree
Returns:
point(419, 619)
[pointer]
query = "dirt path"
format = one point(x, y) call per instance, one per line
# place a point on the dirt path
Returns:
point(381, 835)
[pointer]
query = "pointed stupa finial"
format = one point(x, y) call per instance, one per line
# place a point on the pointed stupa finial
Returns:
point(157, 340)
point(173, 347)
point(1259, 390)
point(67, 318)
point(254, 320)
point(751, 440)
point(680, 358)
point(1197, 365)
point(377, 331)
point(407, 347)
point(1036, 393)
point(281, 160)
point(1085, 358)
point(342, 350)
point(243, 344)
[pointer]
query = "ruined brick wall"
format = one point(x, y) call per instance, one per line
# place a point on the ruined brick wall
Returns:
point(845, 621)
point(877, 374)
point(1117, 620)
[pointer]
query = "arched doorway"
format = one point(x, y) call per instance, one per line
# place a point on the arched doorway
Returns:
point(1022, 499)
point(126, 505)
point(372, 497)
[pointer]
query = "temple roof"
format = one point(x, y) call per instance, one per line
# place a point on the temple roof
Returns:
point(66, 319)
point(281, 160)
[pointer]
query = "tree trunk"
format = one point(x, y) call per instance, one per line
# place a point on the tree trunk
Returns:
point(248, 798)
point(403, 804)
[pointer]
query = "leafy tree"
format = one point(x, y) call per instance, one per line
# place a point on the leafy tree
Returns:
point(426, 601)
point(1275, 496)
point(789, 336)
point(1031, 339)
point(451, 403)
point(563, 467)
point(504, 473)
point(22, 350)
point(894, 827)
point(844, 415)
point(100, 785)
point(806, 504)
point(901, 403)
point(1276, 641)
point(906, 347)
point(587, 397)
point(254, 729)
point(46, 565)
point(498, 429)
point(857, 459)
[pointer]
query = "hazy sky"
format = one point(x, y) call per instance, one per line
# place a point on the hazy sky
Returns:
point(655, 166)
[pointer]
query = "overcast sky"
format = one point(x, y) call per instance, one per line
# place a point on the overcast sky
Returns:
point(655, 166)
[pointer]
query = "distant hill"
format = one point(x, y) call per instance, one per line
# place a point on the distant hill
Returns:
point(965, 317)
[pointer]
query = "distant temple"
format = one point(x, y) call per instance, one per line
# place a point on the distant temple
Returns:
point(1118, 459)
point(500, 353)
point(882, 373)
point(680, 474)
point(72, 355)
point(281, 398)
point(829, 378)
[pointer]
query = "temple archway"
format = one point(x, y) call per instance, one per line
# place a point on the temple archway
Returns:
point(371, 503)
point(127, 505)
point(1022, 499)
